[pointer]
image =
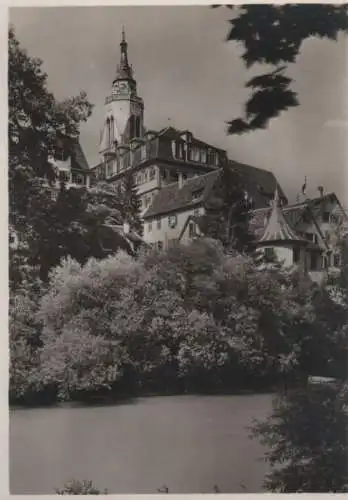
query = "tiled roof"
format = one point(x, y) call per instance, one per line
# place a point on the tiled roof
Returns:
point(260, 183)
point(79, 156)
point(277, 228)
point(73, 148)
point(171, 198)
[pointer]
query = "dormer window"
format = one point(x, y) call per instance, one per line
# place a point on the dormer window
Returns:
point(172, 221)
point(196, 195)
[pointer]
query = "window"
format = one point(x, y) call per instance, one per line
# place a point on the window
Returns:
point(326, 216)
point(79, 178)
point(313, 263)
point(195, 154)
point(61, 155)
point(158, 223)
point(204, 156)
point(172, 221)
point(192, 230)
point(159, 245)
point(64, 176)
point(336, 260)
point(149, 227)
point(296, 255)
point(173, 149)
point(197, 194)
point(269, 253)
point(152, 174)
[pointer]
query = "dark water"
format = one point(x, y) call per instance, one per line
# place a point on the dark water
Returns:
point(189, 443)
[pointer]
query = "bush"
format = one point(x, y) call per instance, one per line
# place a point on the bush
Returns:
point(76, 487)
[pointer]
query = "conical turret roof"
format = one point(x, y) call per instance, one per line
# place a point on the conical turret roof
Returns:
point(277, 228)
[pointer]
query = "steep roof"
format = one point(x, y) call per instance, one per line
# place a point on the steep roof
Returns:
point(73, 147)
point(172, 198)
point(277, 228)
point(79, 157)
point(261, 183)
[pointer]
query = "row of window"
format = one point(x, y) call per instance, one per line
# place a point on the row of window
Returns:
point(183, 151)
point(74, 178)
point(147, 175)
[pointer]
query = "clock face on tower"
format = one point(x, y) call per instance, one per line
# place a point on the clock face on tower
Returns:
point(121, 88)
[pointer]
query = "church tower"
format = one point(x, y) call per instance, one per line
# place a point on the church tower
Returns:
point(124, 109)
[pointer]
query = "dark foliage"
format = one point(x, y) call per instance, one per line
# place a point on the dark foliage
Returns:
point(273, 35)
point(307, 440)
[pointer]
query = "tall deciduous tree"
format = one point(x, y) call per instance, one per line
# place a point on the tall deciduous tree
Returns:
point(273, 35)
point(131, 203)
point(35, 121)
point(226, 213)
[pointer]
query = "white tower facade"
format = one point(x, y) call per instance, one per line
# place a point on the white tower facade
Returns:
point(124, 109)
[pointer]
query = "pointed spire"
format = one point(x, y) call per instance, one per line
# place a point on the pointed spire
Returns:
point(124, 70)
point(277, 227)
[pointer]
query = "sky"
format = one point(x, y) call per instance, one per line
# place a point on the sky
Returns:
point(191, 78)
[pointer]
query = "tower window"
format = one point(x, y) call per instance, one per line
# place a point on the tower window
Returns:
point(137, 126)
point(326, 216)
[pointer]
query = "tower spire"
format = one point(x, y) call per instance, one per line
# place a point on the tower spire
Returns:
point(124, 70)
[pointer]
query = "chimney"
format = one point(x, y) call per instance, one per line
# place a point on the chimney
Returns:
point(126, 228)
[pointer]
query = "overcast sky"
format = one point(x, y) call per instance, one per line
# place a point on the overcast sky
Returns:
point(186, 72)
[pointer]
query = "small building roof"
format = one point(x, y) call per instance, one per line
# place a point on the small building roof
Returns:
point(172, 198)
point(277, 228)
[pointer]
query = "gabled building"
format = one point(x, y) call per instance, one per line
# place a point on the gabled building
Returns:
point(175, 211)
point(305, 234)
point(71, 164)
point(166, 165)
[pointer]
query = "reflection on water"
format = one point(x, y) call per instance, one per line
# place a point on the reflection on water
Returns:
point(189, 443)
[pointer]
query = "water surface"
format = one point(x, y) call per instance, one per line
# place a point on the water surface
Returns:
point(189, 443)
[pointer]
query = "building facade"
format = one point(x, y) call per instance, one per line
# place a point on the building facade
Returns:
point(164, 160)
point(306, 234)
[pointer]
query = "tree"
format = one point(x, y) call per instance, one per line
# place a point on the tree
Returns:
point(36, 121)
point(131, 204)
point(273, 35)
point(306, 435)
point(226, 215)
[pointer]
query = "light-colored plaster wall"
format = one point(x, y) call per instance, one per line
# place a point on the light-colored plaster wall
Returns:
point(165, 233)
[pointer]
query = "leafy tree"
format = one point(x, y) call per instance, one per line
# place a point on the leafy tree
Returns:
point(306, 438)
point(36, 121)
point(226, 215)
point(131, 204)
point(273, 35)
point(25, 329)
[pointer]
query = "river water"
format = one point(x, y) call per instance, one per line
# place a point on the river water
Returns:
point(188, 443)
